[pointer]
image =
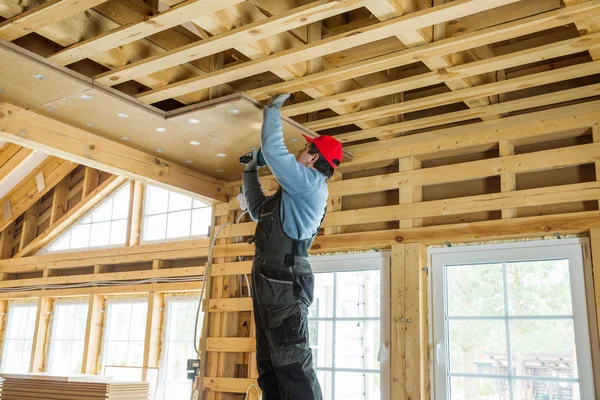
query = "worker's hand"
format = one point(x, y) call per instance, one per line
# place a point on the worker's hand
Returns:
point(242, 199)
point(277, 101)
point(253, 164)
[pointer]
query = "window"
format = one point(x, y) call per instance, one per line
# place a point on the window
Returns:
point(346, 328)
point(18, 338)
point(104, 226)
point(170, 215)
point(65, 353)
point(124, 336)
point(510, 322)
point(177, 347)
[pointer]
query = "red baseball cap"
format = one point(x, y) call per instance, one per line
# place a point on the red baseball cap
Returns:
point(330, 148)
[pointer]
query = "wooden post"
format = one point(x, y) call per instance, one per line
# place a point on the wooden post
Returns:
point(40, 334)
point(30, 225)
point(91, 179)
point(508, 182)
point(411, 194)
point(409, 369)
point(152, 343)
point(136, 206)
point(334, 203)
point(596, 138)
point(60, 200)
point(6, 241)
point(3, 319)
point(93, 335)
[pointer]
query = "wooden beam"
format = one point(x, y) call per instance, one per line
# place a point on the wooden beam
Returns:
point(125, 34)
point(6, 241)
point(60, 200)
point(323, 47)
point(228, 385)
point(230, 305)
point(596, 139)
point(40, 334)
point(79, 210)
point(93, 335)
point(43, 15)
point(71, 143)
point(508, 181)
point(411, 194)
point(595, 247)
point(586, 25)
point(136, 208)
point(511, 30)
point(30, 225)
point(334, 203)
point(246, 34)
point(152, 343)
point(91, 178)
point(14, 161)
point(428, 79)
point(26, 194)
point(231, 345)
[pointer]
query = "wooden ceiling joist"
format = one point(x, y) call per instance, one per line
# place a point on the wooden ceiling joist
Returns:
point(11, 156)
point(510, 30)
point(323, 47)
point(35, 131)
point(27, 193)
point(129, 33)
point(43, 15)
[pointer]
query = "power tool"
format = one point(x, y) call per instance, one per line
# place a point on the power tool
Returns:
point(259, 158)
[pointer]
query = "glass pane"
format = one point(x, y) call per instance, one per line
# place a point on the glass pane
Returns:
point(121, 204)
point(80, 236)
point(120, 315)
point(539, 389)
point(138, 321)
point(61, 355)
point(478, 347)
point(155, 227)
point(103, 212)
point(178, 202)
point(65, 321)
point(326, 381)
point(475, 290)
point(357, 386)
point(358, 294)
point(201, 220)
point(543, 348)
point(479, 388)
point(323, 301)
point(178, 224)
point(321, 342)
point(118, 232)
point(80, 321)
point(116, 353)
point(182, 315)
point(157, 200)
point(135, 355)
point(177, 360)
point(14, 353)
point(199, 204)
point(178, 391)
point(357, 344)
point(76, 357)
point(20, 319)
point(100, 234)
point(62, 243)
point(539, 288)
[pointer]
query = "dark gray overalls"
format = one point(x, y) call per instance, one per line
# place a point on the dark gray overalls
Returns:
point(282, 291)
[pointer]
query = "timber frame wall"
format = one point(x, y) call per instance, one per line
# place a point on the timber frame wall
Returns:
point(485, 126)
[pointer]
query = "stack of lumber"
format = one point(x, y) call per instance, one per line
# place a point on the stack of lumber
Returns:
point(48, 387)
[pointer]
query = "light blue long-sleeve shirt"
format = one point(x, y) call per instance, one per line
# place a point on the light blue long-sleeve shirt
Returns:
point(305, 190)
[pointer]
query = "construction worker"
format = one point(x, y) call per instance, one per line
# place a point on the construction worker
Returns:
point(282, 279)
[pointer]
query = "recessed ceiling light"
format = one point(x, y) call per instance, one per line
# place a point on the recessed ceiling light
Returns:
point(234, 111)
point(194, 121)
point(159, 150)
point(194, 143)
point(125, 138)
point(39, 77)
point(50, 109)
point(90, 124)
point(294, 139)
point(122, 115)
point(188, 161)
point(219, 170)
point(221, 155)
point(161, 129)
point(86, 97)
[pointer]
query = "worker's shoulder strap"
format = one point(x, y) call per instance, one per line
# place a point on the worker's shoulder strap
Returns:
point(272, 203)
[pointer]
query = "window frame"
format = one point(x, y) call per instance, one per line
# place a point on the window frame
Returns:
point(361, 262)
point(53, 325)
point(571, 249)
point(6, 339)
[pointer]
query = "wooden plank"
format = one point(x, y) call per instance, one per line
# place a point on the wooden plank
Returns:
point(26, 194)
point(136, 209)
point(506, 86)
point(479, 112)
point(514, 29)
point(398, 335)
point(596, 139)
point(71, 143)
point(334, 203)
point(93, 335)
point(228, 385)
point(30, 225)
point(91, 178)
point(412, 312)
point(152, 342)
point(411, 194)
point(508, 181)
point(586, 26)
point(233, 268)
point(245, 34)
point(43, 15)
point(125, 34)
point(323, 47)
point(6, 241)
point(230, 305)
point(40, 334)
point(60, 200)
point(12, 163)
point(83, 207)
point(231, 344)
point(595, 245)
point(8, 151)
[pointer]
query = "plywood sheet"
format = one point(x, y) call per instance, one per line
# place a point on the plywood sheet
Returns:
point(18, 83)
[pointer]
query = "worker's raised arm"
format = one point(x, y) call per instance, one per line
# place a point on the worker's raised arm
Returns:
point(291, 175)
point(253, 194)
